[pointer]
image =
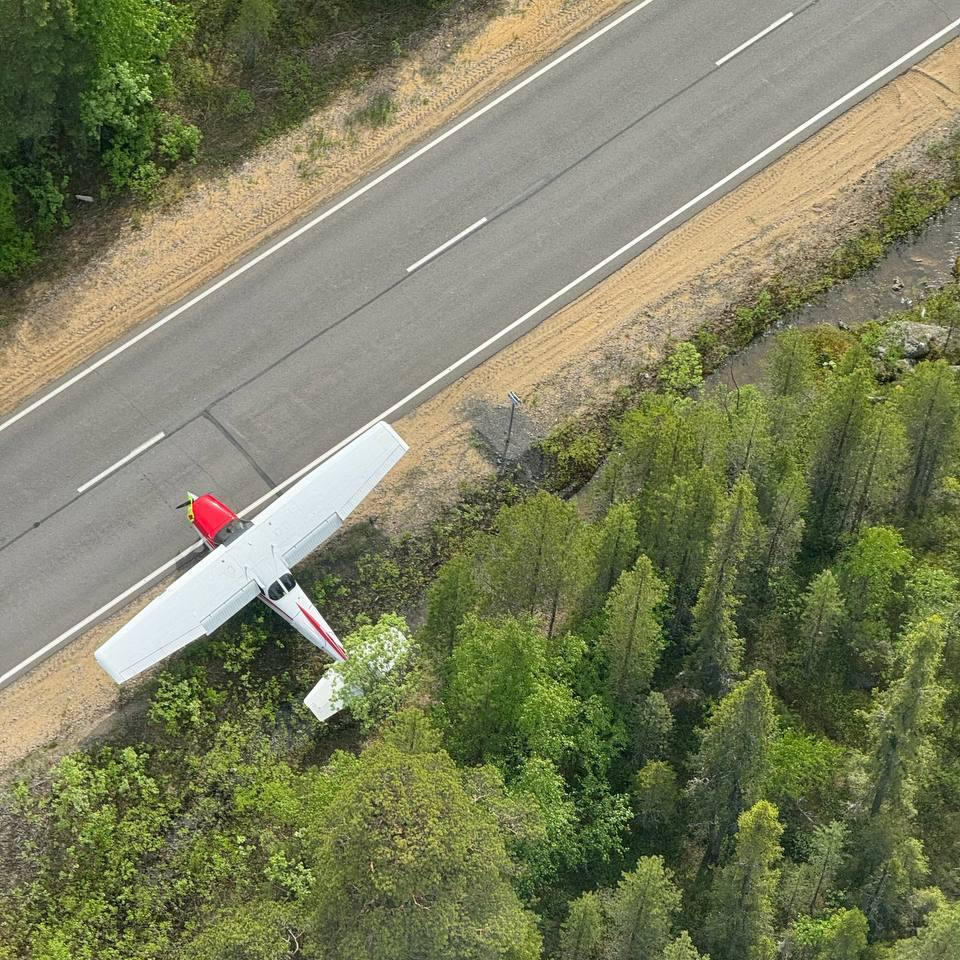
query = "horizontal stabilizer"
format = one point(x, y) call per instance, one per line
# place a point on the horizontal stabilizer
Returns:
point(324, 700)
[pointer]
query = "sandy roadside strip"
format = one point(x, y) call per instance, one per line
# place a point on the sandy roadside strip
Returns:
point(163, 254)
point(795, 210)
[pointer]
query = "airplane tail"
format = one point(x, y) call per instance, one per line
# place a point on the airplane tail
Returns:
point(325, 699)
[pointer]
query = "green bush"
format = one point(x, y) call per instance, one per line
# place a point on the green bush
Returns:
point(682, 370)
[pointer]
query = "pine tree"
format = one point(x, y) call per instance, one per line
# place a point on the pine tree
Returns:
point(650, 727)
point(582, 931)
point(717, 646)
point(930, 409)
point(812, 882)
point(250, 30)
point(899, 870)
point(838, 424)
point(784, 531)
point(641, 912)
point(657, 444)
point(632, 636)
point(823, 613)
point(792, 366)
point(709, 424)
point(39, 59)
point(450, 598)
point(733, 760)
point(538, 560)
point(683, 949)
point(872, 487)
point(740, 925)
point(615, 551)
point(939, 939)
point(654, 794)
point(675, 533)
point(901, 719)
point(750, 445)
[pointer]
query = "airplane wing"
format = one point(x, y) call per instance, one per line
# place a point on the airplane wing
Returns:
point(220, 585)
point(315, 507)
point(206, 596)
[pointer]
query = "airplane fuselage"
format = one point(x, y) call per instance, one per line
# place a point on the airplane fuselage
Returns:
point(217, 525)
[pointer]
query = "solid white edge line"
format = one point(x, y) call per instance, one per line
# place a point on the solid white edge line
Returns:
point(752, 40)
point(466, 358)
point(449, 243)
point(223, 281)
point(133, 453)
point(13, 671)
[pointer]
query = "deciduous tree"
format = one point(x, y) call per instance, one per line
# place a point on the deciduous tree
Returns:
point(872, 574)
point(409, 867)
point(494, 669)
point(840, 936)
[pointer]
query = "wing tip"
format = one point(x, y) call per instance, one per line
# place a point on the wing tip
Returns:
point(102, 656)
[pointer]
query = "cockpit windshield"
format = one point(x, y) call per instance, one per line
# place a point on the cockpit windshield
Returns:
point(231, 531)
point(279, 587)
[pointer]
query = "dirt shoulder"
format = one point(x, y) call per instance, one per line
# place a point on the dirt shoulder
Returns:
point(795, 211)
point(160, 255)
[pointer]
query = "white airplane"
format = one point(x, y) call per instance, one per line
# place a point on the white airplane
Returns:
point(252, 558)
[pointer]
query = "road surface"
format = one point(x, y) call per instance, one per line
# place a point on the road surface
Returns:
point(434, 264)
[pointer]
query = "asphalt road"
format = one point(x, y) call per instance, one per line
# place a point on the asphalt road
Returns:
point(318, 338)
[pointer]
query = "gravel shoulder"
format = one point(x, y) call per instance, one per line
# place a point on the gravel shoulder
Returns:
point(794, 212)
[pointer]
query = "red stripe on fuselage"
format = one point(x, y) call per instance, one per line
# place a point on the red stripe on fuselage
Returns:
point(323, 633)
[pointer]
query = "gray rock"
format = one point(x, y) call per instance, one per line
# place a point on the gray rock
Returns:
point(914, 340)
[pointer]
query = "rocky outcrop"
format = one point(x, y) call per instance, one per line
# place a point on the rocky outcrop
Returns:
point(913, 340)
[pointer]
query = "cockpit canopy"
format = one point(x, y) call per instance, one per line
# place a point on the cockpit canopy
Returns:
point(280, 587)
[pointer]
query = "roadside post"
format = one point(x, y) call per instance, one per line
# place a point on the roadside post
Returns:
point(515, 402)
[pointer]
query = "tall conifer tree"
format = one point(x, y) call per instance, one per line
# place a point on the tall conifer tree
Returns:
point(733, 759)
point(717, 647)
point(740, 925)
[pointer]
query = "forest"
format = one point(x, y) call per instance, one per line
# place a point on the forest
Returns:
point(707, 707)
point(103, 98)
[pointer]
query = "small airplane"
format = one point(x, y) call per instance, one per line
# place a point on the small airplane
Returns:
point(252, 558)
